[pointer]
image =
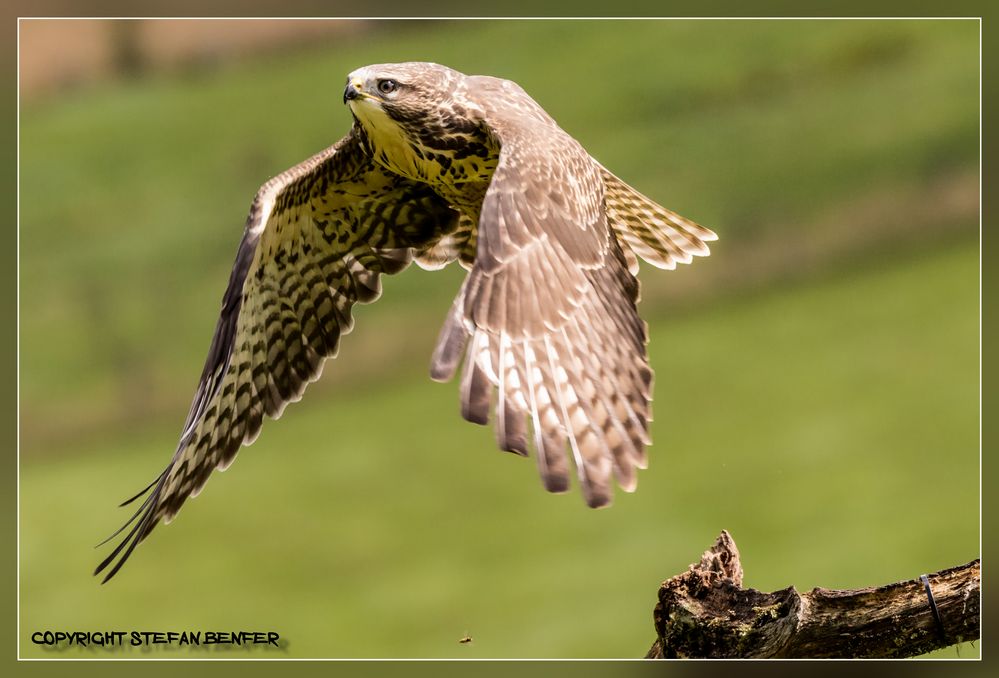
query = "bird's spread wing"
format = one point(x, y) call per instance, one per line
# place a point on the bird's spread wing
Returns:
point(317, 238)
point(659, 236)
point(547, 316)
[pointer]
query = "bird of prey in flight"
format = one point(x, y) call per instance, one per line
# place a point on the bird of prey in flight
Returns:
point(440, 166)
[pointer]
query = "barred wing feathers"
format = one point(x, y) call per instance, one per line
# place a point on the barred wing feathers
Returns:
point(547, 316)
point(659, 236)
point(317, 239)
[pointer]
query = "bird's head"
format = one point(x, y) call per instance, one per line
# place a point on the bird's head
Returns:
point(407, 93)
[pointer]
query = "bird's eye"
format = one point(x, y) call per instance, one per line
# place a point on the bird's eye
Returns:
point(387, 86)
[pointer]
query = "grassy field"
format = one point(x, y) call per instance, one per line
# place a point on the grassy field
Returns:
point(817, 376)
point(371, 523)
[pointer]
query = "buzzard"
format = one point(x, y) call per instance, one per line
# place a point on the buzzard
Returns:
point(440, 166)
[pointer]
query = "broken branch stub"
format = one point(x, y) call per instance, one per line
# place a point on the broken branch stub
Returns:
point(705, 612)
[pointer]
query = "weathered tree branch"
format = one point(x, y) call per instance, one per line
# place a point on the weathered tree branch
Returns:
point(705, 612)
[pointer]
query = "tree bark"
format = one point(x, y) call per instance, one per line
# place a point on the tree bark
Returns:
point(705, 612)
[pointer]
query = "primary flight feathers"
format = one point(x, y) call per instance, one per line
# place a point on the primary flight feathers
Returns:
point(438, 167)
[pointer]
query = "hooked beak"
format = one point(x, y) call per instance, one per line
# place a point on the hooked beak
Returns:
point(352, 90)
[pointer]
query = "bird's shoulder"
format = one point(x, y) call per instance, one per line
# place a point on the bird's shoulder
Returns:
point(503, 105)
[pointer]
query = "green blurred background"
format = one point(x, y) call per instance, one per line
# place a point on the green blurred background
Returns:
point(817, 377)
